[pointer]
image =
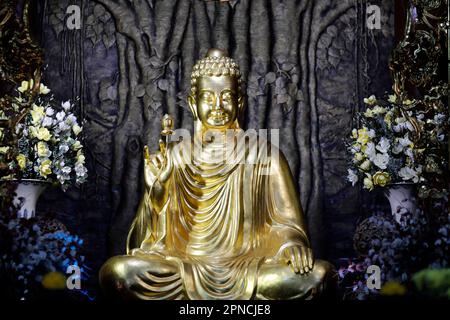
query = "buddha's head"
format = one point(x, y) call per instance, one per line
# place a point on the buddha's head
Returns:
point(216, 99)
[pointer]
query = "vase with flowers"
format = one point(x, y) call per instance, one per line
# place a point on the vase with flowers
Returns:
point(49, 148)
point(384, 150)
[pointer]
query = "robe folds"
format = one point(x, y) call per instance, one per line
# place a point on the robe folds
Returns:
point(220, 223)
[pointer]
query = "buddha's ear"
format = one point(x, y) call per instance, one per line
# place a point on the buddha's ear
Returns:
point(241, 105)
point(192, 105)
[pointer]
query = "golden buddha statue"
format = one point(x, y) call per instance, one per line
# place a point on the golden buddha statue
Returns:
point(212, 229)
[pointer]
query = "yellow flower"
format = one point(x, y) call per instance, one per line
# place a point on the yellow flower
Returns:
point(54, 281)
point(81, 158)
point(43, 89)
point(393, 288)
point(41, 133)
point(4, 150)
point(381, 178)
point(363, 136)
point(37, 113)
point(392, 98)
point(378, 110)
point(26, 85)
point(77, 145)
point(365, 165)
point(42, 149)
point(370, 100)
point(388, 119)
point(407, 102)
point(76, 129)
point(368, 113)
point(359, 157)
point(355, 133)
point(45, 168)
point(367, 182)
point(21, 161)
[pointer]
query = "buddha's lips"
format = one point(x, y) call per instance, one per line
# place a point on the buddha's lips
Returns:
point(218, 116)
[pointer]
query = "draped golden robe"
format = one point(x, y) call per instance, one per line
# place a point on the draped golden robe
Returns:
point(220, 224)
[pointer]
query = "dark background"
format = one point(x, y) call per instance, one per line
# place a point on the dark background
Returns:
point(306, 66)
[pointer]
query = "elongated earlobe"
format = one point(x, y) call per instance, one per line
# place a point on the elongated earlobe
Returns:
point(241, 106)
point(193, 106)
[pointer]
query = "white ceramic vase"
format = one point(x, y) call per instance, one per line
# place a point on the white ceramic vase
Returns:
point(27, 195)
point(402, 200)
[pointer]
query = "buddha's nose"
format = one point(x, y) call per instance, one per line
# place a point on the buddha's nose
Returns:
point(217, 105)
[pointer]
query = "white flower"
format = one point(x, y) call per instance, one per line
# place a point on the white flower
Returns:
point(71, 119)
point(60, 164)
point(409, 153)
point(407, 173)
point(384, 145)
point(80, 170)
point(397, 128)
point(355, 148)
point(372, 133)
point(66, 105)
point(19, 128)
point(370, 151)
point(60, 116)
point(63, 148)
point(49, 111)
point(66, 170)
point(63, 126)
point(438, 119)
point(381, 160)
point(352, 177)
point(402, 144)
point(409, 126)
point(47, 122)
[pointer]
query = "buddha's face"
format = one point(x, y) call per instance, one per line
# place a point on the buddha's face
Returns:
point(217, 101)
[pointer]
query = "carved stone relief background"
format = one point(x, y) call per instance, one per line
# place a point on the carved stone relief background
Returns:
point(306, 66)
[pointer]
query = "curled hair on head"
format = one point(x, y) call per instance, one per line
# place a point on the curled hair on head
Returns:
point(216, 63)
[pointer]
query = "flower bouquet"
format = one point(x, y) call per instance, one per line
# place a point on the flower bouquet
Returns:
point(383, 148)
point(49, 141)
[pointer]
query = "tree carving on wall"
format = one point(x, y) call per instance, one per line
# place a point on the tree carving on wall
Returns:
point(298, 59)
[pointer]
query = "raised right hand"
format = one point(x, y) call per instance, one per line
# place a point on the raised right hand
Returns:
point(157, 168)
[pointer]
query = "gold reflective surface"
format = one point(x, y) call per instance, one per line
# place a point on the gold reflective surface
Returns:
point(213, 229)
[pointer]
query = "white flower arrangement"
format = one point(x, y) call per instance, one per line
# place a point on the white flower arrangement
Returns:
point(382, 148)
point(49, 145)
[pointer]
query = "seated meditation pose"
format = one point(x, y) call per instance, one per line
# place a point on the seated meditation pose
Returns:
point(218, 219)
